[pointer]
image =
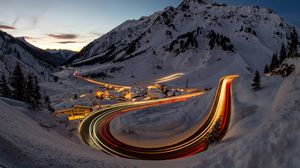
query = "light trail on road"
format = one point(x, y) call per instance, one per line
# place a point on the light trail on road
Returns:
point(160, 80)
point(75, 74)
point(95, 128)
point(169, 78)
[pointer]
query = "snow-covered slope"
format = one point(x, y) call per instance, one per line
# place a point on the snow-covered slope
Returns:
point(24, 143)
point(31, 59)
point(163, 124)
point(263, 133)
point(196, 35)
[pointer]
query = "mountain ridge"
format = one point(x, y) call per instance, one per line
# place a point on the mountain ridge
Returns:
point(30, 58)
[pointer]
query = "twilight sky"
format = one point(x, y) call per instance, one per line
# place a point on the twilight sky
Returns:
point(72, 24)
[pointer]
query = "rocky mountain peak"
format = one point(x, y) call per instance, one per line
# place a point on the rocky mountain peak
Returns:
point(186, 4)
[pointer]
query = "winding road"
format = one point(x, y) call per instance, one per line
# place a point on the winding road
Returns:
point(95, 128)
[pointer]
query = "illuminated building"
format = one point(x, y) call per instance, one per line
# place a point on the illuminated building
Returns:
point(77, 112)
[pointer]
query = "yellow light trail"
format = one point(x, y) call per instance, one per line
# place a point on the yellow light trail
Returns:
point(107, 85)
point(169, 78)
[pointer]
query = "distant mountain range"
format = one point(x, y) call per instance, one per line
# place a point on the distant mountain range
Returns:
point(32, 59)
point(63, 55)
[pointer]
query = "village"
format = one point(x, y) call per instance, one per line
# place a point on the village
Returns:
point(107, 95)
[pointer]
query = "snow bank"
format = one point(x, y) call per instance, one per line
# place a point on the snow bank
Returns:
point(24, 143)
point(161, 125)
point(263, 132)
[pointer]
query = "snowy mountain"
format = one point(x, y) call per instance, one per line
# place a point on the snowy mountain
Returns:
point(197, 34)
point(31, 59)
point(64, 55)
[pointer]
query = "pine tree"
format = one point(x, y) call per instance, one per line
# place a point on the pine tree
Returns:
point(17, 84)
point(46, 99)
point(256, 82)
point(267, 69)
point(37, 95)
point(293, 44)
point(283, 54)
point(4, 89)
point(48, 104)
point(29, 93)
point(275, 63)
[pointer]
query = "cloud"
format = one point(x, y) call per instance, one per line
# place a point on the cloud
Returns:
point(67, 42)
point(30, 38)
point(26, 22)
point(7, 27)
point(63, 36)
point(96, 34)
point(27, 37)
